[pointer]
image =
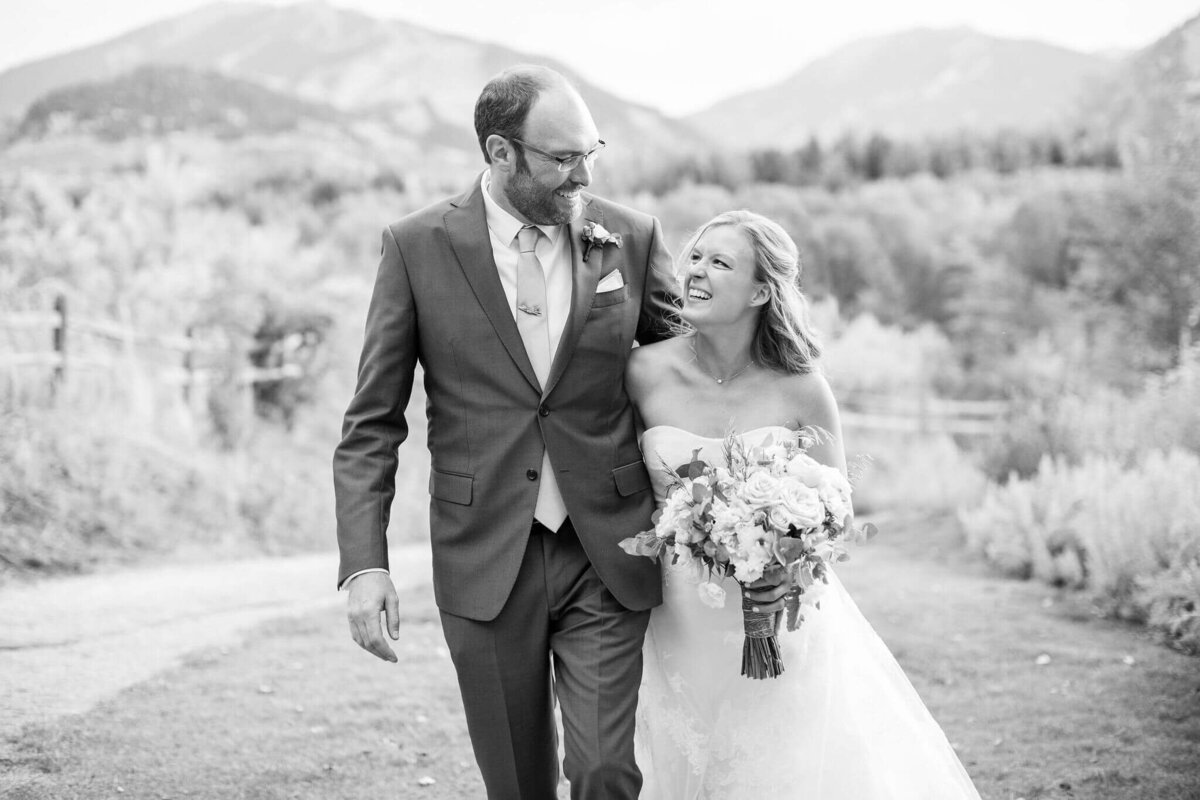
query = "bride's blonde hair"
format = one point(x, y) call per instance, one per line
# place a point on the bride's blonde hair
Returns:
point(784, 339)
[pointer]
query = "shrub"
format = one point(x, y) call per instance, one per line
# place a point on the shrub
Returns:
point(1172, 602)
point(78, 490)
point(913, 475)
point(1068, 425)
point(1126, 533)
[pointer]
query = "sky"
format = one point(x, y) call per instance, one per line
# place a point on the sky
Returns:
point(676, 55)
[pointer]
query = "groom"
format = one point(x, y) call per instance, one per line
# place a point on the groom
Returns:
point(521, 299)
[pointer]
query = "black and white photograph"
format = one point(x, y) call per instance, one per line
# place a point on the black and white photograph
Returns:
point(659, 399)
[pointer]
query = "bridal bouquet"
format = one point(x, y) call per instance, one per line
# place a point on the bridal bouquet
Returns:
point(766, 510)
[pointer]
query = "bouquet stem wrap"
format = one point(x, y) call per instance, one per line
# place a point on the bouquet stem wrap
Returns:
point(761, 654)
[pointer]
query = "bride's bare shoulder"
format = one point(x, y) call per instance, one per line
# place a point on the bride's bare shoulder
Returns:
point(649, 360)
point(813, 398)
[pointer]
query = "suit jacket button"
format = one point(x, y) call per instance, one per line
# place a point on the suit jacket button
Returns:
point(543, 411)
point(531, 474)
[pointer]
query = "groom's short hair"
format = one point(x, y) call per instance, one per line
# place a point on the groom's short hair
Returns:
point(504, 103)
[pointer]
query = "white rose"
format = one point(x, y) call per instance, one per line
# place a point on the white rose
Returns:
point(800, 504)
point(760, 490)
point(806, 468)
point(835, 494)
point(711, 594)
point(834, 479)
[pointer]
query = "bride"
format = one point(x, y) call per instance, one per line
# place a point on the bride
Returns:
point(842, 722)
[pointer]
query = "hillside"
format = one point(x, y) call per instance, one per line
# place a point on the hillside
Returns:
point(420, 83)
point(156, 100)
point(910, 84)
point(1153, 101)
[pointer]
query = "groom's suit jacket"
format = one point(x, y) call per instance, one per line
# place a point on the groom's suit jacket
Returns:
point(438, 300)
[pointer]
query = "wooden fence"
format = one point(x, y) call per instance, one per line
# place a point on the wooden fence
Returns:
point(922, 413)
point(62, 353)
point(917, 413)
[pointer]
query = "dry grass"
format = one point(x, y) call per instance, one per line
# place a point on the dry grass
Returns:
point(298, 712)
point(79, 490)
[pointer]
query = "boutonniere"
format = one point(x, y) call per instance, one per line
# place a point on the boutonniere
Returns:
point(594, 235)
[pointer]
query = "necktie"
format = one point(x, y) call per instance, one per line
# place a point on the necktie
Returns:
point(531, 303)
point(532, 322)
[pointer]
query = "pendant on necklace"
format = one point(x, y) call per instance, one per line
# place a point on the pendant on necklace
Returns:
point(720, 381)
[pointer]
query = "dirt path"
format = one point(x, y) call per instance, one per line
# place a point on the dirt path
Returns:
point(68, 643)
point(1040, 698)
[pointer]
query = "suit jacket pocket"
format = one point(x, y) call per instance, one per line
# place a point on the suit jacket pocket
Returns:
point(603, 299)
point(631, 479)
point(451, 487)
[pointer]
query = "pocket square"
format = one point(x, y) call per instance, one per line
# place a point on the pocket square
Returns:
point(610, 282)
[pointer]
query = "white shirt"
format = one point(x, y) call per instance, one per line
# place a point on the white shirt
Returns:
point(554, 254)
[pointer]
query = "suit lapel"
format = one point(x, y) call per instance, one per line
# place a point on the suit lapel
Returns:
point(584, 278)
point(466, 226)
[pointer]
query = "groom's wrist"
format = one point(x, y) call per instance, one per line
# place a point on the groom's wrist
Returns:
point(354, 575)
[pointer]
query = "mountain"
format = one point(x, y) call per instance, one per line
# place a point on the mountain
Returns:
point(909, 84)
point(1153, 101)
point(419, 82)
point(156, 100)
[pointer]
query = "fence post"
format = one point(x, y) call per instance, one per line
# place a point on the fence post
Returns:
point(60, 340)
point(189, 365)
point(922, 395)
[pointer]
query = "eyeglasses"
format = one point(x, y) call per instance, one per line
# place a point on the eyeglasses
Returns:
point(565, 163)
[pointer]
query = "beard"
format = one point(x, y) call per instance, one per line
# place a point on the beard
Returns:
point(539, 204)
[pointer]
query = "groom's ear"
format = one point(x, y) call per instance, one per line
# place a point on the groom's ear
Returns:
point(501, 151)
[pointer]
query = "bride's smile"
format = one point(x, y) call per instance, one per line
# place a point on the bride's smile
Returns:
point(720, 285)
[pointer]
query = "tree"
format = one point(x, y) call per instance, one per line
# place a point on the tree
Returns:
point(850, 262)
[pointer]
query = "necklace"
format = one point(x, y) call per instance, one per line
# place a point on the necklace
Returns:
point(720, 381)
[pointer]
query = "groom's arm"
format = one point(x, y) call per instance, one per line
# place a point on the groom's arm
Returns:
point(660, 303)
point(364, 463)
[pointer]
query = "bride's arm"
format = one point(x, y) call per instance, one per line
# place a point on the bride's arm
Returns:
point(818, 409)
point(646, 384)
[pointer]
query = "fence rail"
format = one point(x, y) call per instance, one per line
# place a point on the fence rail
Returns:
point(922, 413)
point(895, 423)
point(60, 354)
point(917, 413)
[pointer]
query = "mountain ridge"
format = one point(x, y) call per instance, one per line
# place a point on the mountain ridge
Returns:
point(913, 83)
point(421, 82)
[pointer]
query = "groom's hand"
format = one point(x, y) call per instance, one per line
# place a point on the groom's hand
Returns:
point(370, 594)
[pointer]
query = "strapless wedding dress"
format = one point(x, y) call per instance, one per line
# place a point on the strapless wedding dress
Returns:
point(841, 723)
